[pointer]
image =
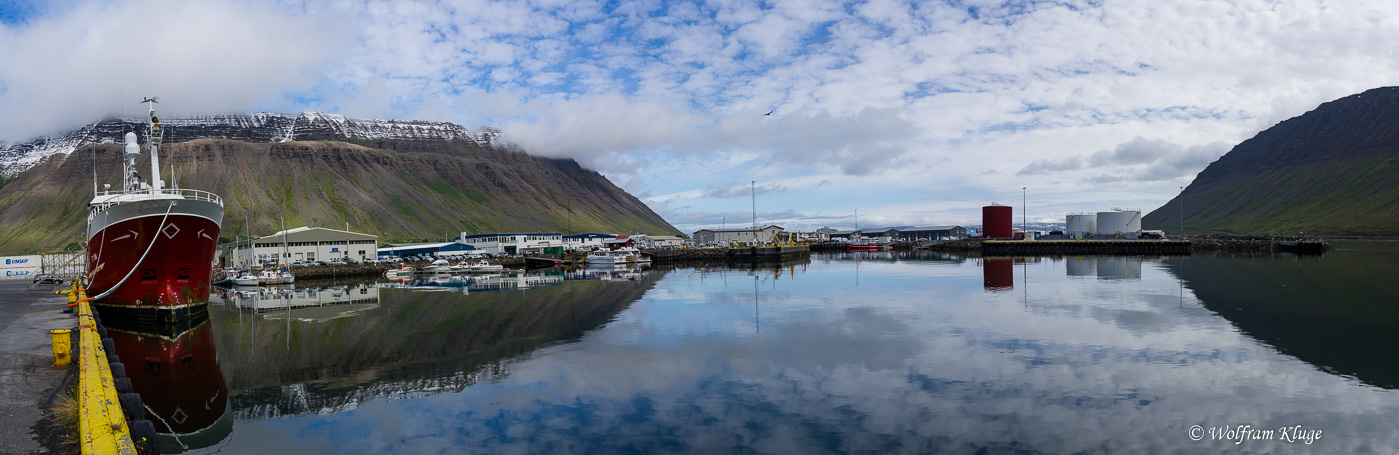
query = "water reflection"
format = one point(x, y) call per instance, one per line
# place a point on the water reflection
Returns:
point(880, 352)
point(299, 351)
point(1106, 267)
point(176, 371)
point(1338, 312)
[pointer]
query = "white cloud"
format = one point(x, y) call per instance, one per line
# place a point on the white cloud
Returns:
point(913, 95)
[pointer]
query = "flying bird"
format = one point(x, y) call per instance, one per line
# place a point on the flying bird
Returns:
point(769, 113)
point(153, 99)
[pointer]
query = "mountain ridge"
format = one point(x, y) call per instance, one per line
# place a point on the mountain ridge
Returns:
point(402, 181)
point(250, 127)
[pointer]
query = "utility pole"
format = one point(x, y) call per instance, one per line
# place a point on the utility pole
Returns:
point(1182, 213)
point(754, 186)
point(1024, 217)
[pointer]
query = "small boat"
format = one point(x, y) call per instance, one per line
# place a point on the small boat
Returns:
point(618, 256)
point(484, 266)
point(403, 271)
point(439, 266)
point(245, 279)
point(286, 277)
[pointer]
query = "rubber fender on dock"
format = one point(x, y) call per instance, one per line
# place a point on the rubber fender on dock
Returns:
point(118, 370)
point(143, 437)
point(123, 385)
point(108, 345)
point(133, 407)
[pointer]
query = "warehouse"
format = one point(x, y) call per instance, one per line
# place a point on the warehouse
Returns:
point(933, 233)
point(298, 244)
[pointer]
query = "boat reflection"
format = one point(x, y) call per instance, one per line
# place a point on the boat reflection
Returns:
point(320, 304)
point(176, 371)
point(415, 338)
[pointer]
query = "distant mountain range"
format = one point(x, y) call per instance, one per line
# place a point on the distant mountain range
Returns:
point(400, 180)
point(1333, 171)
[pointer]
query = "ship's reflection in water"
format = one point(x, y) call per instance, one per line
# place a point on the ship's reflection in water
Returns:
point(176, 370)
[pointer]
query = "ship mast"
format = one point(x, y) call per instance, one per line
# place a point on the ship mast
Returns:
point(154, 134)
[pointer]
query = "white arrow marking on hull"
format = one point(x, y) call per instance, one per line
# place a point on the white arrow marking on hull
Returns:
point(124, 237)
point(202, 234)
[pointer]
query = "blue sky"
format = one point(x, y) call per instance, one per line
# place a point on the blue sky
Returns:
point(910, 112)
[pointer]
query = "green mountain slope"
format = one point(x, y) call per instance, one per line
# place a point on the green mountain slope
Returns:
point(1333, 171)
point(436, 191)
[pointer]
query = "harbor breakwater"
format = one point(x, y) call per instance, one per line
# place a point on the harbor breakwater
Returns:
point(750, 254)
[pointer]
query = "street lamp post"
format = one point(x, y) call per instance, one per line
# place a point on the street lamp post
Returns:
point(1024, 217)
point(1182, 213)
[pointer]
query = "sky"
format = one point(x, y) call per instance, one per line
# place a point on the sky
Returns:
point(909, 113)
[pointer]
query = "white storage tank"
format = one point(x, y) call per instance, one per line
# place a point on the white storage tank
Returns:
point(1122, 222)
point(1081, 223)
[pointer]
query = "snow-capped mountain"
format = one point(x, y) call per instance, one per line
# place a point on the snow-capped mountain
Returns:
point(255, 127)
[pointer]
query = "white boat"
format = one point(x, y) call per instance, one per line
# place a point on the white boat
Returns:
point(439, 266)
point(245, 279)
point(287, 277)
point(484, 266)
point(618, 256)
point(269, 277)
point(403, 271)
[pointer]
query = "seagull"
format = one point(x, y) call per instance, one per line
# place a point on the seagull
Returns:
point(769, 113)
point(153, 99)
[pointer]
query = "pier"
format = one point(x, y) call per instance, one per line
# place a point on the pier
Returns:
point(1130, 247)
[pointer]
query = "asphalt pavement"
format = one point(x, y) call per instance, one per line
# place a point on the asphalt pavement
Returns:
point(28, 379)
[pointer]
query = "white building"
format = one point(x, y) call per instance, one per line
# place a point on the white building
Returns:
point(765, 234)
point(299, 244)
point(510, 243)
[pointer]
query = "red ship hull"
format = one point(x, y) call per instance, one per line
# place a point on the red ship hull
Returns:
point(171, 281)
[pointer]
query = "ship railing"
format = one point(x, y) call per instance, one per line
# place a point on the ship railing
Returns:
point(182, 193)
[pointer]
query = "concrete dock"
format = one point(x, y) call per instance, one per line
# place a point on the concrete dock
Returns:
point(28, 379)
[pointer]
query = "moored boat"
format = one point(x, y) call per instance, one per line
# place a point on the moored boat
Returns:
point(483, 265)
point(861, 243)
point(618, 256)
point(151, 247)
point(439, 266)
point(245, 279)
point(403, 271)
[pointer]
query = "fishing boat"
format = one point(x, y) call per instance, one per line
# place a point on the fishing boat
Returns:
point(861, 243)
point(151, 247)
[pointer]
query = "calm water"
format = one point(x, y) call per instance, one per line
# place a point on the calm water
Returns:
point(880, 353)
